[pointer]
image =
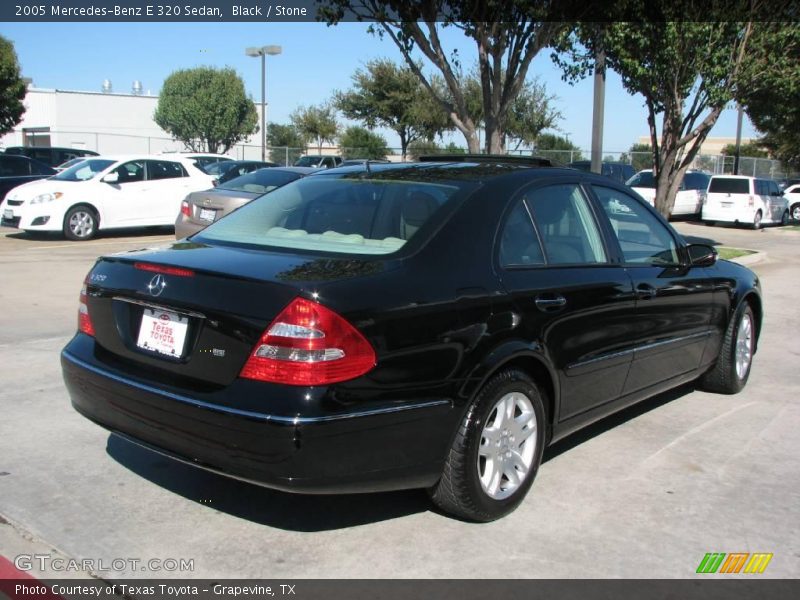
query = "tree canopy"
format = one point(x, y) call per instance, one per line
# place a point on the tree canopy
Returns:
point(316, 124)
point(507, 34)
point(12, 88)
point(388, 95)
point(285, 142)
point(556, 147)
point(358, 142)
point(206, 108)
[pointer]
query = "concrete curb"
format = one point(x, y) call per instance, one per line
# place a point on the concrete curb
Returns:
point(751, 259)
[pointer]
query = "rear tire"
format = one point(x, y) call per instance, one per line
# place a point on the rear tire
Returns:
point(80, 223)
point(496, 452)
point(732, 369)
point(785, 219)
point(757, 220)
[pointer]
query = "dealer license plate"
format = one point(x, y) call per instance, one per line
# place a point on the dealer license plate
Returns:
point(206, 214)
point(163, 331)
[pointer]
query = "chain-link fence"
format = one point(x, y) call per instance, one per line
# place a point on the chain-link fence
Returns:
point(113, 143)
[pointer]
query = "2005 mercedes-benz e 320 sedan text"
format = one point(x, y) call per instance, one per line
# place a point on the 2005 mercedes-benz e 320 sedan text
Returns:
point(430, 325)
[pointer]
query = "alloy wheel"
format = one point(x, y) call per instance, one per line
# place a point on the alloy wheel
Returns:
point(81, 224)
point(744, 345)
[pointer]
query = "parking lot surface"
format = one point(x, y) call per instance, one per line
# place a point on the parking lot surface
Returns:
point(645, 494)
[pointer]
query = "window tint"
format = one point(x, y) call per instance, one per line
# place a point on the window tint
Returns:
point(642, 237)
point(519, 244)
point(729, 185)
point(566, 226)
point(12, 166)
point(38, 168)
point(164, 169)
point(130, 172)
point(44, 155)
point(773, 188)
point(696, 181)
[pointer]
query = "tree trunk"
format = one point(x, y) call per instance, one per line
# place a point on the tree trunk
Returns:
point(473, 145)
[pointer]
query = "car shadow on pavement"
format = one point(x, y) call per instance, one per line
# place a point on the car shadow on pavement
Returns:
point(294, 512)
point(111, 234)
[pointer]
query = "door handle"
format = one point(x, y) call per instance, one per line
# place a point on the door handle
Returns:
point(645, 291)
point(550, 303)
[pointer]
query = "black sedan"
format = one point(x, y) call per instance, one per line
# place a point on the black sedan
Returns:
point(421, 325)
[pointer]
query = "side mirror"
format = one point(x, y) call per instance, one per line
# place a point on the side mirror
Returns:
point(112, 177)
point(702, 255)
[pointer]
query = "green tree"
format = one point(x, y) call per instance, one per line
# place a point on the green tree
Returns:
point(12, 88)
point(452, 148)
point(206, 108)
point(507, 35)
point(358, 142)
point(423, 148)
point(641, 156)
point(388, 95)
point(556, 147)
point(772, 97)
point(286, 144)
point(316, 124)
point(686, 67)
point(751, 149)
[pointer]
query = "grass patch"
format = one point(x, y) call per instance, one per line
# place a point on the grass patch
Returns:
point(791, 228)
point(729, 253)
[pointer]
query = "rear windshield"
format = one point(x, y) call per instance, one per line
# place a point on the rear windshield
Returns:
point(259, 182)
point(349, 215)
point(644, 179)
point(729, 185)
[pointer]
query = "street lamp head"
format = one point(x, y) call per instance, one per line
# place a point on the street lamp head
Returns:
point(256, 51)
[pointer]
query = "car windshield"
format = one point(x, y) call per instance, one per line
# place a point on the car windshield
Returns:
point(308, 161)
point(643, 179)
point(344, 214)
point(259, 182)
point(729, 185)
point(84, 170)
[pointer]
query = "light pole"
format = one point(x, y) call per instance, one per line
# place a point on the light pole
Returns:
point(262, 52)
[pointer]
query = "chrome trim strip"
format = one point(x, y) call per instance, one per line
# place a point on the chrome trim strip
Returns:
point(248, 413)
point(639, 349)
point(159, 307)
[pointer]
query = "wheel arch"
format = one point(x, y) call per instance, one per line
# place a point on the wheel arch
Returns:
point(527, 357)
point(754, 301)
point(87, 204)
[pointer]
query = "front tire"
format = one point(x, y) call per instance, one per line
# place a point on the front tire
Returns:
point(80, 223)
point(732, 369)
point(796, 211)
point(496, 452)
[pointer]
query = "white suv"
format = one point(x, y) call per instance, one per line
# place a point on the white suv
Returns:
point(689, 199)
point(105, 193)
point(745, 200)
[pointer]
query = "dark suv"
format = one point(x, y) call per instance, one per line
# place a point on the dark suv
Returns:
point(16, 170)
point(617, 171)
point(420, 325)
point(51, 156)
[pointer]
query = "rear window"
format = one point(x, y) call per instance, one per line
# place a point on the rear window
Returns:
point(336, 214)
point(259, 182)
point(644, 179)
point(696, 181)
point(729, 185)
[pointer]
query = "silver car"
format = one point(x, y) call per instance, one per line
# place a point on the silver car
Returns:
point(200, 209)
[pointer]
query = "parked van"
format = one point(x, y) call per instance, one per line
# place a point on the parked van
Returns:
point(50, 156)
point(744, 200)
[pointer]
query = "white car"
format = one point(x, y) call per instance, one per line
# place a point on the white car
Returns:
point(201, 159)
point(690, 197)
point(105, 193)
point(792, 195)
point(744, 200)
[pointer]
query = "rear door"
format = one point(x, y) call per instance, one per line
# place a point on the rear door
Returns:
point(670, 326)
point(572, 299)
point(169, 183)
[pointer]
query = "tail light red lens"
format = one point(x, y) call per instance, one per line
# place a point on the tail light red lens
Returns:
point(84, 320)
point(751, 201)
point(309, 344)
point(186, 210)
point(164, 270)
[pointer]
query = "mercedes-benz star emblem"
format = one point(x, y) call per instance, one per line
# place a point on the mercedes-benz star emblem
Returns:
point(157, 285)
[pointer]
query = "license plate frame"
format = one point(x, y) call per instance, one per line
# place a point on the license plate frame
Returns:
point(163, 332)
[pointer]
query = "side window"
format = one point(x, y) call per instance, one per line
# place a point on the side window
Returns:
point(12, 166)
point(38, 168)
point(164, 169)
point(566, 225)
point(761, 187)
point(519, 244)
point(642, 237)
point(773, 189)
point(130, 172)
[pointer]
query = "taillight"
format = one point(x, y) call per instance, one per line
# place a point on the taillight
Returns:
point(309, 344)
point(150, 267)
point(186, 210)
point(84, 320)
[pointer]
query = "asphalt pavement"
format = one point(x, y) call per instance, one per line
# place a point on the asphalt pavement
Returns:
point(643, 494)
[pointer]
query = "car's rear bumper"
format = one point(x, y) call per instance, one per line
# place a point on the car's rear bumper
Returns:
point(360, 451)
point(731, 214)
